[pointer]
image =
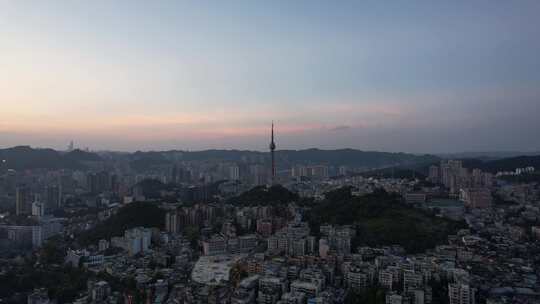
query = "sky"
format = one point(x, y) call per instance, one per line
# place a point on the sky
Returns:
point(411, 76)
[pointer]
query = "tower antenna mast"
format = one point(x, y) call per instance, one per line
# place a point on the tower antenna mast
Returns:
point(272, 149)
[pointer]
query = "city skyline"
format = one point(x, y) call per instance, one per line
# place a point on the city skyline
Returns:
point(269, 152)
point(415, 77)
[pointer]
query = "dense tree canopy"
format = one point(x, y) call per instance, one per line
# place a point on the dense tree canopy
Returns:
point(261, 195)
point(382, 219)
point(133, 215)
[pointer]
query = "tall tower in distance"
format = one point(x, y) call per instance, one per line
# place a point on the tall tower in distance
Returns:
point(71, 146)
point(272, 149)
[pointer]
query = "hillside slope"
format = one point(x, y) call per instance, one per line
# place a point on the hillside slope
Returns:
point(25, 157)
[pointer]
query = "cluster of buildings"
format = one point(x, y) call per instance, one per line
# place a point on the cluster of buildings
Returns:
point(328, 275)
point(517, 171)
point(30, 203)
point(226, 253)
point(476, 197)
point(455, 177)
point(255, 254)
point(293, 239)
point(30, 234)
point(219, 244)
point(198, 215)
point(134, 241)
point(336, 239)
point(315, 172)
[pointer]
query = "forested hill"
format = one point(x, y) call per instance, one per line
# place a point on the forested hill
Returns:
point(138, 214)
point(24, 157)
point(265, 196)
point(382, 219)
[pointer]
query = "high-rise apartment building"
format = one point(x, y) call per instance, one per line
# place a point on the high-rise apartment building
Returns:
point(461, 294)
point(234, 172)
point(23, 204)
point(53, 198)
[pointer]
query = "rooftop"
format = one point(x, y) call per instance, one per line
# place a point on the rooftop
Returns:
point(214, 270)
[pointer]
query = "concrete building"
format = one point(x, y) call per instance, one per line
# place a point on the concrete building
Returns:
point(297, 247)
point(270, 289)
point(99, 291)
point(84, 258)
point(135, 241)
point(293, 298)
point(324, 247)
point(461, 294)
point(412, 280)
point(415, 198)
point(23, 205)
point(246, 243)
point(38, 296)
point(417, 296)
point(386, 278)
point(535, 231)
point(291, 240)
point(46, 229)
point(38, 209)
point(319, 171)
point(138, 240)
point(476, 197)
point(172, 224)
point(234, 172)
point(393, 298)
point(434, 175)
point(215, 245)
point(32, 236)
point(264, 227)
point(53, 197)
point(360, 277)
point(215, 270)
point(103, 245)
point(246, 293)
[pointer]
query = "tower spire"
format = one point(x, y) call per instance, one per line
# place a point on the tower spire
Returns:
point(272, 139)
point(272, 149)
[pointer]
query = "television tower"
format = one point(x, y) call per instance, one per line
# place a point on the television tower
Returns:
point(272, 149)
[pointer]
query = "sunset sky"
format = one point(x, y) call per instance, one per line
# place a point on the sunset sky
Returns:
point(412, 76)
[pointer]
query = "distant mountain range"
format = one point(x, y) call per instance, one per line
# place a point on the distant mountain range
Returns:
point(497, 165)
point(25, 157)
point(285, 158)
point(504, 164)
point(487, 155)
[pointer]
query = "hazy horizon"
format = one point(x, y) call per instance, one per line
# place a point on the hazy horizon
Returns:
point(418, 76)
point(459, 154)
